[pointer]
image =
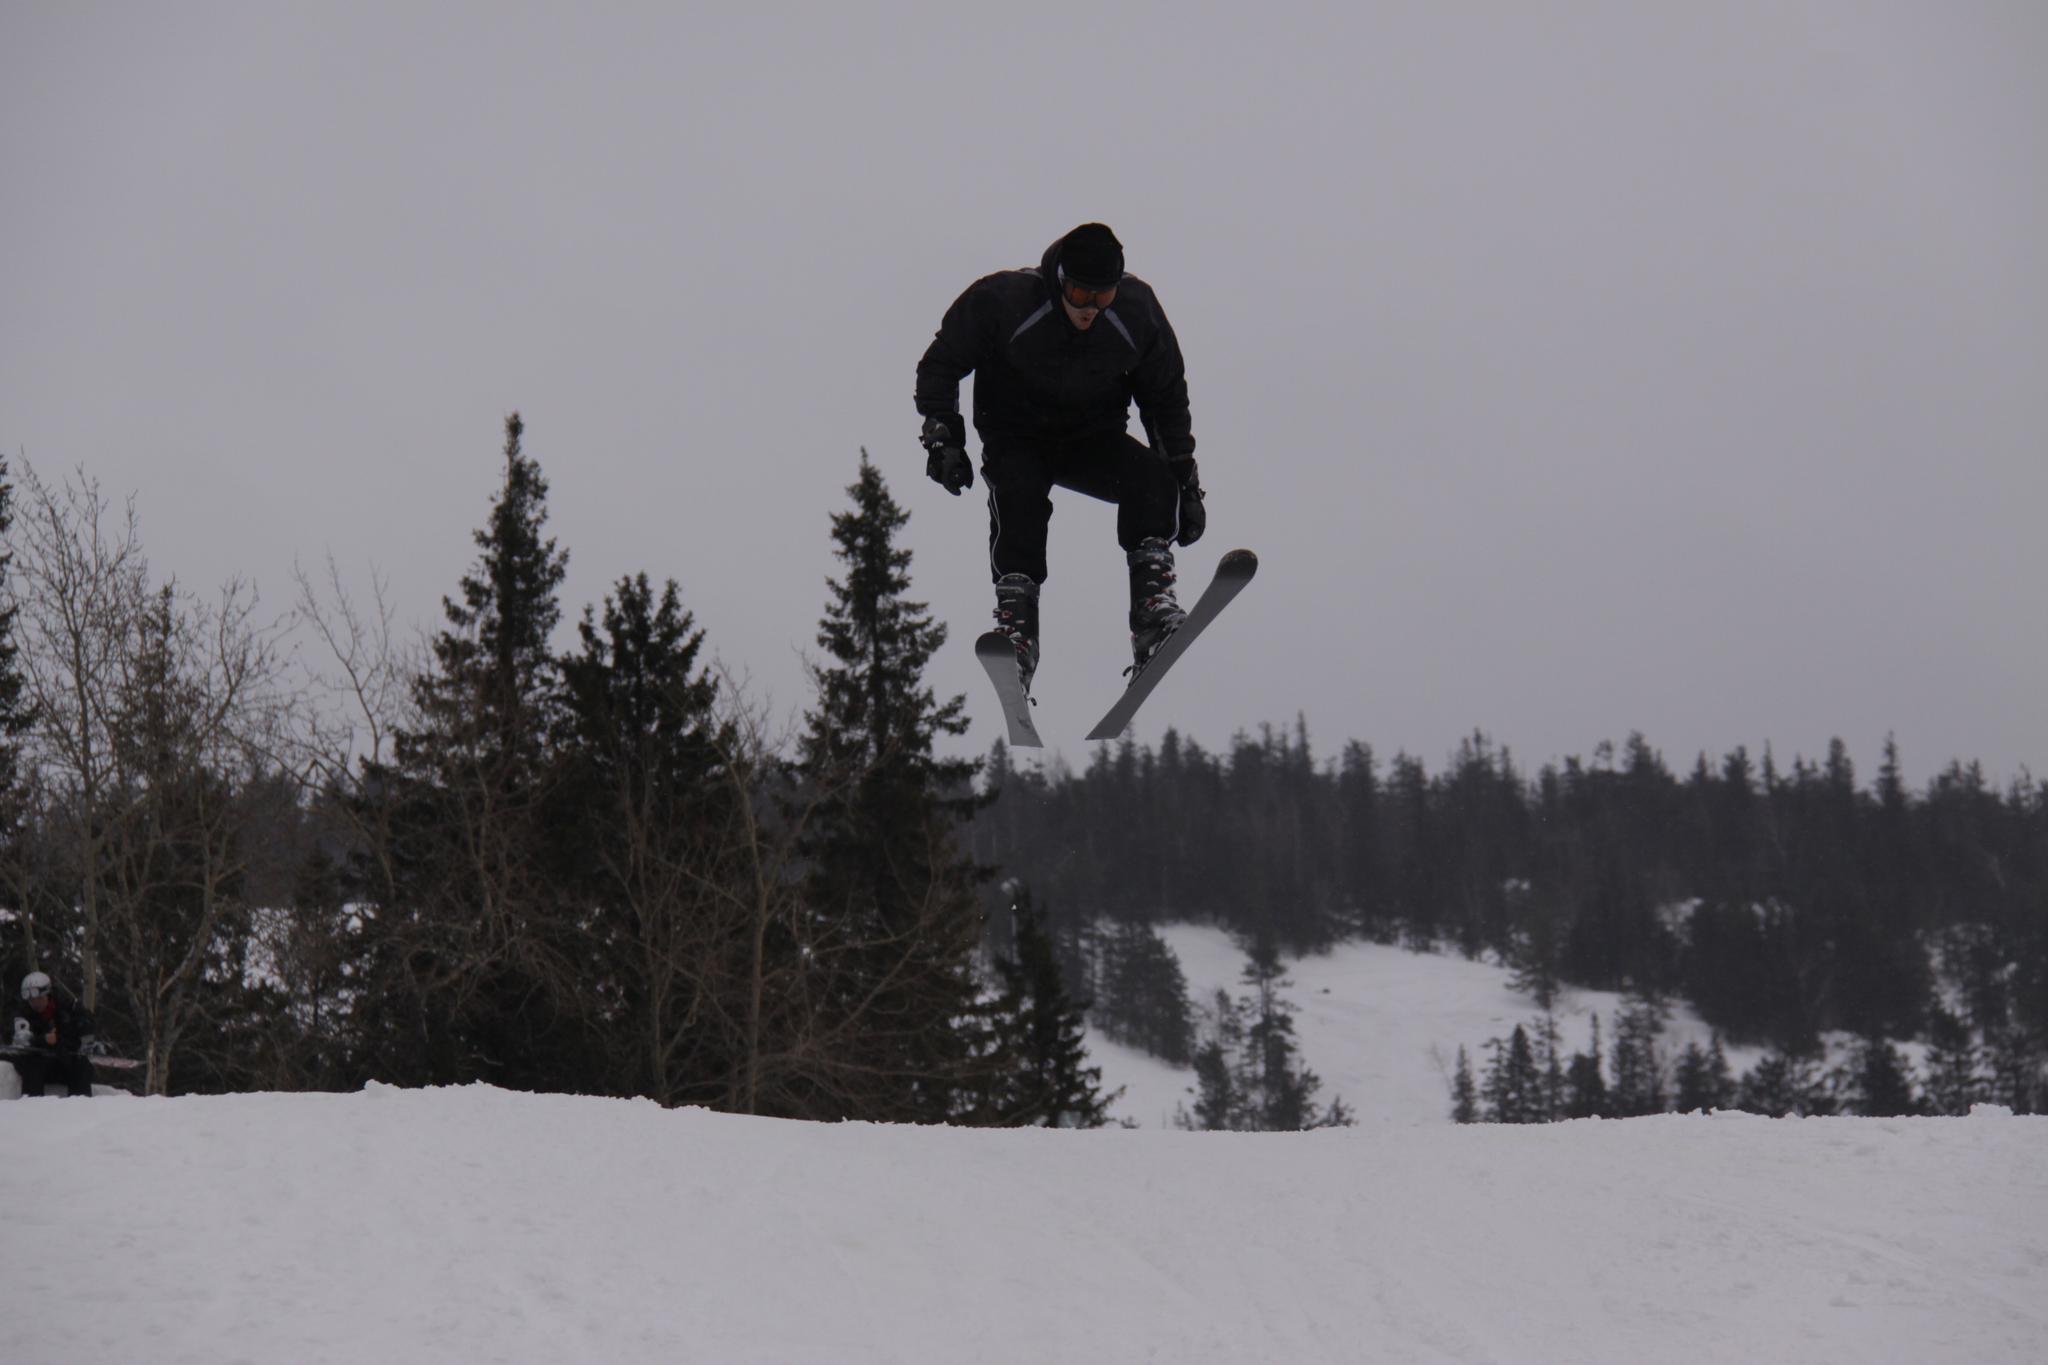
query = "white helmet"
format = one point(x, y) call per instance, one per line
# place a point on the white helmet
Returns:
point(35, 984)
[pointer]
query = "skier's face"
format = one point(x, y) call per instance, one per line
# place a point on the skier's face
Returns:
point(43, 1004)
point(1083, 302)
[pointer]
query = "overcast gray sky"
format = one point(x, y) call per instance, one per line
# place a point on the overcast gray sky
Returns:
point(1574, 368)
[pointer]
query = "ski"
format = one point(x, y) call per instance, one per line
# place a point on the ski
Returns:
point(999, 657)
point(1235, 570)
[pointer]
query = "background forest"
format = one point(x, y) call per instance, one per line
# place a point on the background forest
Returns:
point(299, 854)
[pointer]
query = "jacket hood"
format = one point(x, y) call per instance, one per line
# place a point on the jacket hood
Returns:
point(1049, 268)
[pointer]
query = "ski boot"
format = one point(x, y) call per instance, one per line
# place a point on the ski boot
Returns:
point(1155, 614)
point(1017, 617)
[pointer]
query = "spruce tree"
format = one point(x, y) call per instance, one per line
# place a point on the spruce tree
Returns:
point(1955, 1079)
point(890, 891)
point(1052, 1084)
point(471, 951)
point(1882, 1086)
point(1514, 1085)
point(647, 800)
point(1464, 1092)
point(1586, 1095)
point(1638, 1074)
point(1549, 1045)
point(1702, 1078)
point(1217, 1103)
point(2018, 1079)
point(1784, 1084)
point(1279, 1092)
point(1220, 1103)
point(1768, 1088)
point(1144, 996)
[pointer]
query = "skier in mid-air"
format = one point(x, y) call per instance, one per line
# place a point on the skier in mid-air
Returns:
point(1058, 353)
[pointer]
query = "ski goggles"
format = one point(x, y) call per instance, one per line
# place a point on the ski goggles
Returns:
point(1085, 296)
point(34, 992)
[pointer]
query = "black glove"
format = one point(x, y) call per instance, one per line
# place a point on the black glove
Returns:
point(1194, 519)
point(945, 444)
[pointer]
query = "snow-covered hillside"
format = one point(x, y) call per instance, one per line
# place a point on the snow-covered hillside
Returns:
point(480, 1225)
point(1381, 1026)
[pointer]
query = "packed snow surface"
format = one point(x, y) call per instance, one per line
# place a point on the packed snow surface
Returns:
point(480, 1225)
point(483, 1225)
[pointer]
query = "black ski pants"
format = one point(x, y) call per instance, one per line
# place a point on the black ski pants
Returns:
point(39, 1068)
point(1020, 473)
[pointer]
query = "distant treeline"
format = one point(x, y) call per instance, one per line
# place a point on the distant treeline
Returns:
point(1528, 1078)
point(1783, 903)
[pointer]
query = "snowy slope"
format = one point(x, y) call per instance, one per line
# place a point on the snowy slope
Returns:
point(1381, 1026)
point(481, 1225)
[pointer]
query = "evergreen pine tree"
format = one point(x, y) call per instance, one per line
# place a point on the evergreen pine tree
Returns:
point(1514, 1086)
point(645, 797)
point(1703, 1080)
point(1638, 1074)
point(1464, 1092)
point(1955, 1078)
point(1220, 1104)
point(1585, 1081)
point(1279, 1091)
point(1217, 1103)
point(1882, 1086)
point(1784, 1084)
point(1549, 1046)
point(2017, 1079)
point(1052, 1086)
point(1144, 995)
point(472, 953)
point(1768, 1088)
point(891, 893)
point(1536, 953)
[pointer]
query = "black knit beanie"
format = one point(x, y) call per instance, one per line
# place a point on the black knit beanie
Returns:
point(1092, 255)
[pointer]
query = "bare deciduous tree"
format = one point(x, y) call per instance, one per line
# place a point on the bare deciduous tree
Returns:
point(154, 712)
point(78, 588)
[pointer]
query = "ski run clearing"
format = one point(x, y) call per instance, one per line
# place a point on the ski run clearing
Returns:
point(479, 1225)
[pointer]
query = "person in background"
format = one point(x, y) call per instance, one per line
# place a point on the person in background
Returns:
point(52, 1040)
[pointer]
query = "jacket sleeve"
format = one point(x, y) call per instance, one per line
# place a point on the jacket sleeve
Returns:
point(1160, 386)
point(965, 339)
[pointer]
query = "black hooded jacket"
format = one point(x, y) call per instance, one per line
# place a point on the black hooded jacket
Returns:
point(72, 1023)
point(1036, 374)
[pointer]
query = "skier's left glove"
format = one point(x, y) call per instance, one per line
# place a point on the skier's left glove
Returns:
point(1194, 518)
point(945, 443)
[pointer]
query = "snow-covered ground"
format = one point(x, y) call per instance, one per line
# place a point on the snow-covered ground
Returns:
point(478, 1225)
point(1381, 1026)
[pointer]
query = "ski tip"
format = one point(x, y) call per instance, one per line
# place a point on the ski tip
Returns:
point(1240, 562)
point(993, 644)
